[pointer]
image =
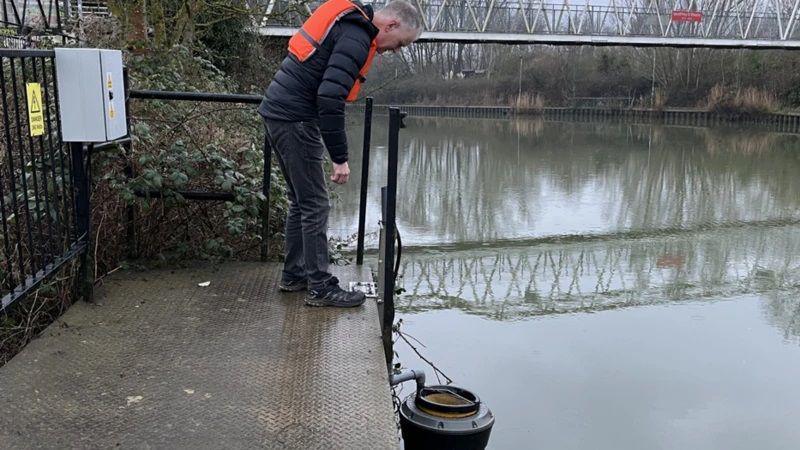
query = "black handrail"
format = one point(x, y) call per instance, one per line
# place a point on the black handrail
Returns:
point(362, 205)
point(390, 210)
point(256, 99)
point(206, 195)
point(196, 96)
point(81, 163)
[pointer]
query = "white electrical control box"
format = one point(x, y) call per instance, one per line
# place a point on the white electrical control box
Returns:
point(91, 94)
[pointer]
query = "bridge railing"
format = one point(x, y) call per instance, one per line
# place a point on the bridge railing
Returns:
point(44, 197)
point(715, 19)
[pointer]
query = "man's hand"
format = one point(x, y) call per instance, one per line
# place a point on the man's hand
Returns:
point(341, 173)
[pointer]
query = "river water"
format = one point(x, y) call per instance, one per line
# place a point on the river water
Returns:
point(600, 285)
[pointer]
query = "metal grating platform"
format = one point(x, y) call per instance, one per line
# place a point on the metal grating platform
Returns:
point(161, 362)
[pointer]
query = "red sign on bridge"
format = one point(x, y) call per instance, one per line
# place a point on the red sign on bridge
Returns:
point(682, 15)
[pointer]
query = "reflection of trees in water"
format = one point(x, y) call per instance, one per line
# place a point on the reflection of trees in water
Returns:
point(783, 311)
point(467, 179)
point(463, 191)
point(510, 283)
point(722, 178)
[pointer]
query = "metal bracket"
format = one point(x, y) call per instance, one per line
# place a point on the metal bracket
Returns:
point(367, 287)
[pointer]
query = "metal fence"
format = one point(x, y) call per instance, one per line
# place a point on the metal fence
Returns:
point(211, 195)
point(44, 196)
point(32, 16)
point(45, 210)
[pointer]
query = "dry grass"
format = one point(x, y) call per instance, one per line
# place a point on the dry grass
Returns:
point(528, 128)
point(748, 100)
point(659, 100)
point(529, 101)
point(735, 142)
point(27, 319)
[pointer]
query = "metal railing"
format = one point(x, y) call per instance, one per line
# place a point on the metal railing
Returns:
point(209, 195)
point(389, 216)
point(32, 16)
point(388, 258)
point(77, 9)
point(45, 210)
point(714, 19)
point(600, 102)
point(44, 203)
point(362, 204)
point(389, 192)
point(756, 24)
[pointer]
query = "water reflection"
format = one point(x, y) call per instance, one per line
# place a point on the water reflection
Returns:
point(608, 286)
point(783, 312)
point(691, 375)
point(509, 283)
point(484, 180)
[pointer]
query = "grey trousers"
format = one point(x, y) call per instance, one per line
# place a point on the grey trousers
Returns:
point(299, 149)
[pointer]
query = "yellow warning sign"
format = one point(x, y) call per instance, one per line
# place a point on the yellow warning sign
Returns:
point(109, 81)
point(111, 111)
point(35, 113)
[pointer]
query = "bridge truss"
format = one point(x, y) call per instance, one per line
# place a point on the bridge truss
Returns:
point(769, 24)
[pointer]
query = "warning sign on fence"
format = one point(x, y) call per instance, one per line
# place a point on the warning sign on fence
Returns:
point(682, 15)
point(35, 109)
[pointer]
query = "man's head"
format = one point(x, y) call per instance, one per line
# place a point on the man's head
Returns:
point(399, 23)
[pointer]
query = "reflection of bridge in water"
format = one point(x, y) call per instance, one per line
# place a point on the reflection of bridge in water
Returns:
point(551, 277)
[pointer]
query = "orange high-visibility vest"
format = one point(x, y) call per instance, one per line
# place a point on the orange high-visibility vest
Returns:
point(314, 30)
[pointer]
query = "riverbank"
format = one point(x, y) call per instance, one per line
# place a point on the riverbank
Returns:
point(788, 122)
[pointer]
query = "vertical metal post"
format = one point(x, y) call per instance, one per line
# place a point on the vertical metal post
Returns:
point(35, 260)
point(50, 241)
point(362, 206)
point(61, 218)
point(9, 164)
point(130, 210)
point(80, 179)
point(58, 16)
point(389, 231)
point(66, 178)
point(266, 187)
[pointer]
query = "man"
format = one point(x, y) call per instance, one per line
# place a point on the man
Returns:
point(328, 60)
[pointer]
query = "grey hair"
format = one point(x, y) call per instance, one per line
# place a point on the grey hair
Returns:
point(406, 13)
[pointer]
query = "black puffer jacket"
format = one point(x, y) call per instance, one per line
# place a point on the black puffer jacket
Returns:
point(317, 88)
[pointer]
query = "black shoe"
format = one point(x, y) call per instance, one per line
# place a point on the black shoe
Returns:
point(293, 286)
point(332, 295)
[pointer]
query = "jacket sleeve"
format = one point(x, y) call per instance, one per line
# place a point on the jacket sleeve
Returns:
point(349, 54)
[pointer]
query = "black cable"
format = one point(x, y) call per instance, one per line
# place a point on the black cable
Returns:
point(399, 253)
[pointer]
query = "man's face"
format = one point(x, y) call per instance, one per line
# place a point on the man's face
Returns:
point(393, 36)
